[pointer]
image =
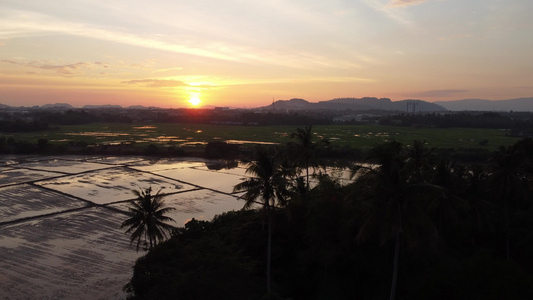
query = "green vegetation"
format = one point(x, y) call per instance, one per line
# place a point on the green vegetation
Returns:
point(205, 260)
point(411, 225)
point(355, 136)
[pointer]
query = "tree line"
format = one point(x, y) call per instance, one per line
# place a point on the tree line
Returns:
point(405, 224)
point(520, 123)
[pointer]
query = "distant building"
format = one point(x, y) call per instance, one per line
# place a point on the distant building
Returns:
point(354, 117)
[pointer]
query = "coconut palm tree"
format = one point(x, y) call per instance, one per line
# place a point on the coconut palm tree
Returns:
point(305, 156)
point(148, 221)
point(507, 182)
point(419, 161)
point(393, 202)
point(268, 185)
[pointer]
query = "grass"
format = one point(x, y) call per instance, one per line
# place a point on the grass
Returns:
point(356, 136)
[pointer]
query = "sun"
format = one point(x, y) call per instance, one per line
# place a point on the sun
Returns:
point(195, 101)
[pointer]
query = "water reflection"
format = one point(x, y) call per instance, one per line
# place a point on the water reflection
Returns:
point(241, 142)
point(63, 217)
point(111, 185)
point(60, 217)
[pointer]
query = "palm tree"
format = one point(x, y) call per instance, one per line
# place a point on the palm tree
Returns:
point(418, 161)
point(268, 184)
point(507, 183)
point(305, 150)
point(393, 202)
point(477, 192)
point(148, 220)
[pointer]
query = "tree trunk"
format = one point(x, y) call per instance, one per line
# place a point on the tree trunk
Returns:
point(395, 269)
point(269, 250)
point(307, 173)
point(507, 230)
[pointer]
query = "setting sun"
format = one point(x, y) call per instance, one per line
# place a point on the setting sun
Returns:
point(195, 101)
point(196, 56)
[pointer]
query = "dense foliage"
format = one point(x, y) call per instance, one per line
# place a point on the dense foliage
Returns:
point(513, 121)
point(410, 225)
point(31, 119)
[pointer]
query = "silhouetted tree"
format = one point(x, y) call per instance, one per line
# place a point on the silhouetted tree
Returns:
point(392, 204)
point(419, 161)
point(269, 185)
point(507, 184)
point(148, 220)
point(305, 152)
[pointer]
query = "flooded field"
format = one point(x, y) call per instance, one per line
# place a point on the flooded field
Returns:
point(180, 135)
point(60, 217)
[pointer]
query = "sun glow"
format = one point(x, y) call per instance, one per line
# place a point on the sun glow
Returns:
point(195, 100)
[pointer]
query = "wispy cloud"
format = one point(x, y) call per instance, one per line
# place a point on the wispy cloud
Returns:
point(24, 24)
point(167, 70)
point(27, 24)
point(399, 16)
point(7, 61)
point(157, 82)
point(102, 64)
point(282, 80)
point(400, 3)
point(66, 70)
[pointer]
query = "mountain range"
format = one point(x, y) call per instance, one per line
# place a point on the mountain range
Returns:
point(520, 104)
point(366, 103)
point(409, 105)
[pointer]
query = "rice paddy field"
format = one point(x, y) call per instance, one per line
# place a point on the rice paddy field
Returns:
point(60, 217)
point(356, 136)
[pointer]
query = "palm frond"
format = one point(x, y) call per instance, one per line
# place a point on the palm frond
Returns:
point(148, 220)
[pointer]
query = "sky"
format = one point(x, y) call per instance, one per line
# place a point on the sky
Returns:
point(237, 53)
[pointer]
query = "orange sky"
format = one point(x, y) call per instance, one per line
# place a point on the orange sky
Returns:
point(244, 54)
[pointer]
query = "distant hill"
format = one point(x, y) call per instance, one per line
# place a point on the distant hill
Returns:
point(367, 103)
point(520, 104)
point(102, 106)
point(57, 106)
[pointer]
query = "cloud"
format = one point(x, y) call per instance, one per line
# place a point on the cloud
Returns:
point(61, 69)
point(157, 82)
point(399, 16)
point(439, 93)
point(168, 69)
point(102, 64)
point(400, 3)
point(9, 61)
point(292, 80)
point(28, 24)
